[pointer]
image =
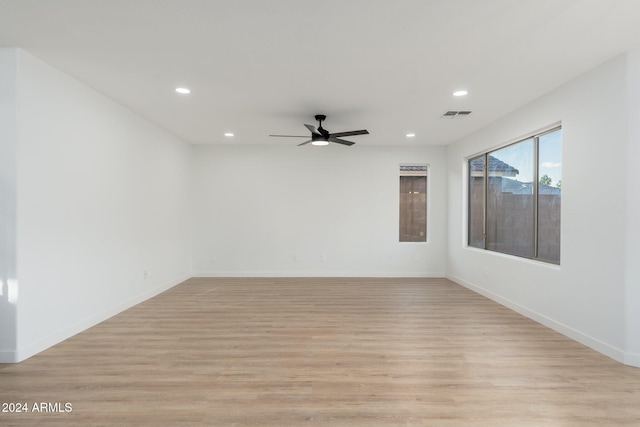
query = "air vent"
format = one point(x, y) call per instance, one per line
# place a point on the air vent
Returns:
point(452, 114)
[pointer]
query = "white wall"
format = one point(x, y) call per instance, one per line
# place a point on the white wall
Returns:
point(8, 124)
point(103, 195)
point(256, 207)
point(632, 270)
point(585, 296)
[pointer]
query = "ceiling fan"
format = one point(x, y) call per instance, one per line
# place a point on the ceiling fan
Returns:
point(320, 136)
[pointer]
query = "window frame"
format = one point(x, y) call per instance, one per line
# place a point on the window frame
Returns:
point(535, 137)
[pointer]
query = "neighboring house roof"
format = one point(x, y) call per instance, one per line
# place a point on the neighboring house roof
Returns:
point(421, 168)
point(413, 170)
point(495, 167)
point(501, 170)
point(514, 186)
point(547, 189)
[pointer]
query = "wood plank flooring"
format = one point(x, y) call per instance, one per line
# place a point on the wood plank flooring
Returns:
point(321, 352)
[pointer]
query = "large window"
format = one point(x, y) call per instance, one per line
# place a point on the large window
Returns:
point(413, 203)
point(514, 198)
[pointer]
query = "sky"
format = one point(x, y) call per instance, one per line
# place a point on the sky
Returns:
point(550, 155)
point(520, 156)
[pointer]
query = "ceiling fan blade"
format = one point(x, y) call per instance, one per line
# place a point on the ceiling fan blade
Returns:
point(306, 142)
point(350, 133)
point(313, 129)
point(340, 141)
point(291, 136)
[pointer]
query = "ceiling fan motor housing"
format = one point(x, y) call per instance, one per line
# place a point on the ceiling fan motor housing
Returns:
point(324, 133)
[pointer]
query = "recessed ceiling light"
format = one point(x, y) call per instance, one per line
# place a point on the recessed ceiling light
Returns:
point(183, 90)
point(410, 135)
point(460, 93)
point(228, 134)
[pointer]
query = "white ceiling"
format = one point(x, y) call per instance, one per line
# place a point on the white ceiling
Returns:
point(258, 67)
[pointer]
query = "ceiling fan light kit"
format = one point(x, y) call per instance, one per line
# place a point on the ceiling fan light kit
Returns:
point(321, 136)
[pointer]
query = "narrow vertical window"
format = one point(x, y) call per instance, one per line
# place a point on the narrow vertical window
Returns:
point(413, 203)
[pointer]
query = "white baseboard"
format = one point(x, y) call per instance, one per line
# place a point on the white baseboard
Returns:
point(236, 273)
point(593, 343)
point(24, 352)
point(632, 359)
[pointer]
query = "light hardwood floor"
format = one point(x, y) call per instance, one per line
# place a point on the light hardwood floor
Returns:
point(322, 352)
